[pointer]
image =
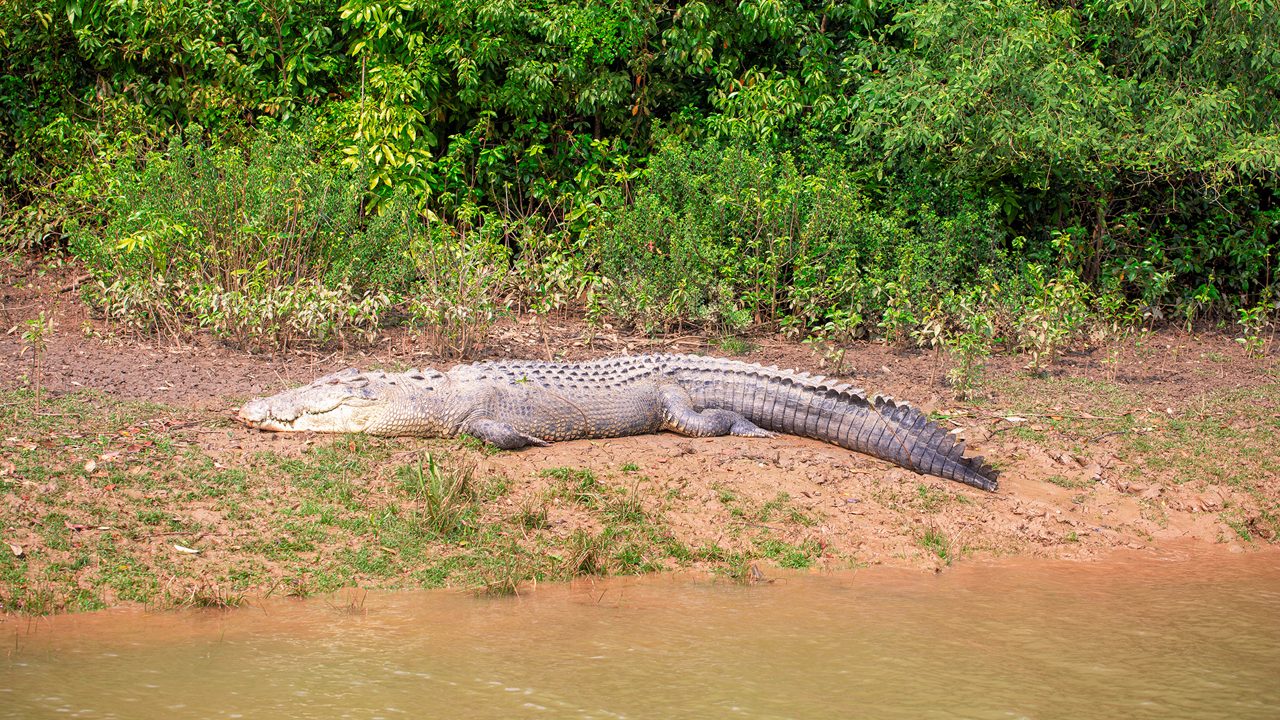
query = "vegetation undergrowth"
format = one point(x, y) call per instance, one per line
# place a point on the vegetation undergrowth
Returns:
point(1003, 175)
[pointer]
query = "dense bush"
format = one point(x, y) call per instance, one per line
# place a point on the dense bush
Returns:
point(262, 244)
point(733, 236)
point(457, 268)
point(848, 168)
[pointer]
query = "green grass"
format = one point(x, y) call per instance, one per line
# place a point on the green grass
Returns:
point(931, 499)
point(532, 516)
point(575, 485)
point(734, 345)
point(445, 498)
point(796, 557)
point(624, 507)
point(781, 508)
point(1221, 437)
point(936, 543)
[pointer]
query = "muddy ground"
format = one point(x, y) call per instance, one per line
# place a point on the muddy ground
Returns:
point(1132, 443)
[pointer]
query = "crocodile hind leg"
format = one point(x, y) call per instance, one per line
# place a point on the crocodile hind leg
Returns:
point(679, 415)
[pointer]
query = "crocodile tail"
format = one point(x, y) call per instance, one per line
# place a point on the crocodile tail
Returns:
point(886, 429)
point(834, 412)
point(912, 440)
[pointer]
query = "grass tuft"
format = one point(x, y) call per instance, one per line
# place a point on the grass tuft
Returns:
point(937, 543)
point(445, 497)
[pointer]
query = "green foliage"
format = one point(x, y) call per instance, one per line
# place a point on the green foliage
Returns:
point(1081, 120)
point(492, 98)
point(829, 168)
point(725, 237)
point(1053, 311)
point(1252, 322)
point(460, 268)
point(261, 245)
point(35, 338)
point(204, 62)
point(963, 324)
point(77, 78)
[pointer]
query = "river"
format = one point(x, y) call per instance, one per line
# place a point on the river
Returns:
point(1178, 634)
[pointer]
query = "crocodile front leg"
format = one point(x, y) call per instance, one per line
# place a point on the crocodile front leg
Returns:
point(679, 416)
point(500, 434)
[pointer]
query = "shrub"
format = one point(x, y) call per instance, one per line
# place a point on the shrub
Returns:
point(263, 245)
point(1051, 311)
point(459, 271)
point(723, 237)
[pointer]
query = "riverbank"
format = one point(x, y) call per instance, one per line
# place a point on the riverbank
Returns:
point(126, 481)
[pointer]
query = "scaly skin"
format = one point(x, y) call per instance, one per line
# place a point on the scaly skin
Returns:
point(517, 403)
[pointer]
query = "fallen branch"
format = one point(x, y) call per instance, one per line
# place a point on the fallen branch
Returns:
point(1106, 435)
point(75, 283)
point(1055, 416)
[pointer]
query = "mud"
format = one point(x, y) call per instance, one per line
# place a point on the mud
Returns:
point(1082, 471)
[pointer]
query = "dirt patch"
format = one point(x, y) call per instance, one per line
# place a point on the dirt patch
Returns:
point(1121, 447)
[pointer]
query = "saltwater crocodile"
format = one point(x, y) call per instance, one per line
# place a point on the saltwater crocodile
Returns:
point(512, 404)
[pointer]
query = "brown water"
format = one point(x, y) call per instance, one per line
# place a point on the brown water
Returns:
point(1178, 635)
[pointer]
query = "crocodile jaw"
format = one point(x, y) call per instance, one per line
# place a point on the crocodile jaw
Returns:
point(342, 418)
point(342, 402)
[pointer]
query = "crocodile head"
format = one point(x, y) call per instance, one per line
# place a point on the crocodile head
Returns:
point(347, 401)
point(341, 402)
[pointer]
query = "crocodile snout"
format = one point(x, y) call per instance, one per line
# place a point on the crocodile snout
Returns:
point(255, 413)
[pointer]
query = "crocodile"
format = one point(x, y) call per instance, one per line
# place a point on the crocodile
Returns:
point(516, 403)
